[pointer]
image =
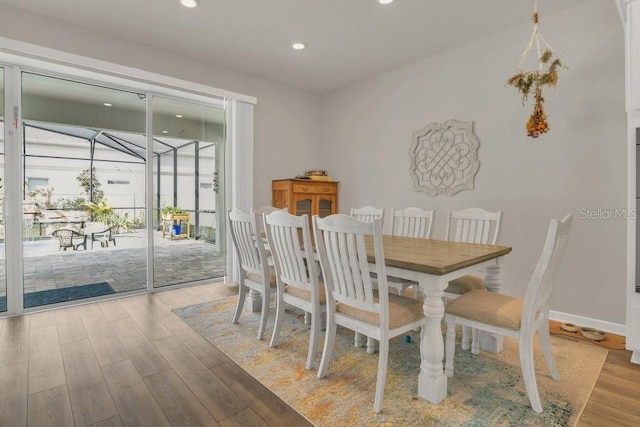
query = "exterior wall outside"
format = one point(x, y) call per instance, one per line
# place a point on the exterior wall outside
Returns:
point(62, 173)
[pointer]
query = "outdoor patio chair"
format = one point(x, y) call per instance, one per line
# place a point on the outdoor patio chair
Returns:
point(68, 238)
point(104, 237)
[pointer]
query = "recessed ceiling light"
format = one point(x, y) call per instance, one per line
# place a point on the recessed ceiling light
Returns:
point(165, 131)
point(179, 116)
point(385, 1)
point(298, 46)
point(106, 104)
point(189, 3)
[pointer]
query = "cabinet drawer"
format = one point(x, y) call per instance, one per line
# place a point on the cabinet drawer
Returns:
point(280, 185)
point(313, 188)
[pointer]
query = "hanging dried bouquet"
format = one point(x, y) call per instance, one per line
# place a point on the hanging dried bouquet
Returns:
point(528, 82)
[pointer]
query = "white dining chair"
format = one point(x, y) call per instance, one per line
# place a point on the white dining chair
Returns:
point(260, 213)
point(255, 273)
point(367, 214)
point(352, 301)
point(297, 274)
point(472, 225)
point(513, 317)
point(409, 222)
point(267, 209)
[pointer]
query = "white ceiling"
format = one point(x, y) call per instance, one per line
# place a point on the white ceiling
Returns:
point(348, 40)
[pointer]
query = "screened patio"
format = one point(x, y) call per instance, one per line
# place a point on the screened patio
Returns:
point(84, 145)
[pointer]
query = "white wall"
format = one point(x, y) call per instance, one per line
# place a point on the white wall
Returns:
point(362, 135)
point(285, 118)
point(581, 163)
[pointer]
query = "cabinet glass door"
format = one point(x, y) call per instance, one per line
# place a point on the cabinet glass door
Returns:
point(326, 205)
point(303, 204)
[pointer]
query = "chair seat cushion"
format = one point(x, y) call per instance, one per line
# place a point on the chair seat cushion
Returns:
point(464, 284)
point(305, 294)
point(490, 308)
point(402, 311)
point(255, 277)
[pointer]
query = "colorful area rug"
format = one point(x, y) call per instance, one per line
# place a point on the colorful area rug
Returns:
point(53, 296)
point(486, 390)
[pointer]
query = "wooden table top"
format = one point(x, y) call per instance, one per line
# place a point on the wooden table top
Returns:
point(436, 257)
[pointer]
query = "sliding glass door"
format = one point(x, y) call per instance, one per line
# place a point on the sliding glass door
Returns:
point(83, 164)
point(110, 189)
point(188, 149)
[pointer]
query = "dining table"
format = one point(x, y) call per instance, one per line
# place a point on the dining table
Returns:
point(433, 263)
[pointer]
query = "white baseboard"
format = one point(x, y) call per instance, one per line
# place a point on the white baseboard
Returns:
point(613, 328)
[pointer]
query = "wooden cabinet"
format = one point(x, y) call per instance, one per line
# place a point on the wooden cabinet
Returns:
point(303, 196)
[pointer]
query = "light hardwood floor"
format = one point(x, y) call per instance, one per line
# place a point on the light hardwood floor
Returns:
point(129, 361)
point(615, 400)
point(132, 361)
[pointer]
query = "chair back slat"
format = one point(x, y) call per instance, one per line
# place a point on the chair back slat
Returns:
point(243, 233)
point(289, 238)
point(483, 234)
point(543, 278)
point(341, 245)
point(412, 222)
point(474, 225)
point(266, 209)
point(368, 214)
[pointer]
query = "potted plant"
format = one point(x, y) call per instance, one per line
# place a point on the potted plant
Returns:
point(100, 211)
point(171, 224)
point(167, 211)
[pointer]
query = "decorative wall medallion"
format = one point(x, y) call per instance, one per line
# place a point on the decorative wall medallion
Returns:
point(444, 158)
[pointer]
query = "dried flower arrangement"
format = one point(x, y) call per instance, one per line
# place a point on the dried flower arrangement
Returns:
point(527, 81)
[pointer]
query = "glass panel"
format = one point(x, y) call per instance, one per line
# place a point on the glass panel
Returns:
point(3, 276)
point(209, 187)
point(303, 207)
point(187, 191)
point(84, 192)
point(324, 207)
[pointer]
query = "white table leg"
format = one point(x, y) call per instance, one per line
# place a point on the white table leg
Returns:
point(254, 301)
point(491, 342)
point(432, 382)
point(492, 277)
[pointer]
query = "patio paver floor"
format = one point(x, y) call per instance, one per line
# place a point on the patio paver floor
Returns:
point(122, 266)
